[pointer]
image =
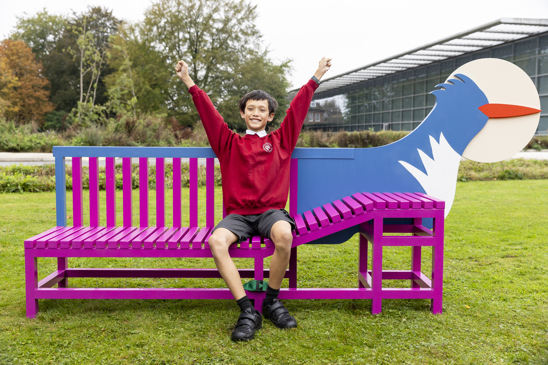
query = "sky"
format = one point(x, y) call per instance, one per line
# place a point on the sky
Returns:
point(354, 33)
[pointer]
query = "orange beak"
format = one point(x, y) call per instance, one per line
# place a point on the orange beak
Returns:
point(506, 110)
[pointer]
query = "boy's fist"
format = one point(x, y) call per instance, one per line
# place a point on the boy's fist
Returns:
point(181, 68)
point(324, 66)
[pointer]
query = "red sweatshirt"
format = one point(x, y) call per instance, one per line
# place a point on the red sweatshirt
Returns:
point(255, 170)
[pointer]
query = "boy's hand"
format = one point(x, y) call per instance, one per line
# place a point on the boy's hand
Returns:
point(325, 65)
point(182, 71)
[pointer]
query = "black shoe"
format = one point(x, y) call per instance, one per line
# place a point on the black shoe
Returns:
point(279, 315)
point(248, 322)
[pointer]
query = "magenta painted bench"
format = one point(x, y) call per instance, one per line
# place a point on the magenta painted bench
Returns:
point(370, 212)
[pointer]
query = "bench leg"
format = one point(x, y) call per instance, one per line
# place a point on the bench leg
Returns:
point(437, 267)
point(62, 264)
point(31, 283)
point(259, 275)
point(376, 269)
point(416, 257)
point(293, 268)
point(362, 263)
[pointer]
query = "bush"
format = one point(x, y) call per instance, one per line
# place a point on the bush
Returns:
point(56, 121)
point(24, 138)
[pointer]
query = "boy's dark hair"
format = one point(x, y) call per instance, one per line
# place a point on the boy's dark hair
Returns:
point(259, 95)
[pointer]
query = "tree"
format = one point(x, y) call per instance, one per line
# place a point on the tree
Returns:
point(23, 84)
point(221, 43)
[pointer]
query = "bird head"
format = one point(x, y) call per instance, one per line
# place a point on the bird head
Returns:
point(489, 108)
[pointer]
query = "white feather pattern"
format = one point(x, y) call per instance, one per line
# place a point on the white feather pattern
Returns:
point(440, 180)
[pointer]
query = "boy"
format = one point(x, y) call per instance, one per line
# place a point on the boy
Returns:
point(255, 173)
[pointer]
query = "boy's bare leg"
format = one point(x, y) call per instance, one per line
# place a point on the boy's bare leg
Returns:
point(282, 238)
point(219, 242)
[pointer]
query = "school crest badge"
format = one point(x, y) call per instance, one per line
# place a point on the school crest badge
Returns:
point(267, 147)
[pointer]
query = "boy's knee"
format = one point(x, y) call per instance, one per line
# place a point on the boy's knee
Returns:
point(282, 236)
point(218, 242)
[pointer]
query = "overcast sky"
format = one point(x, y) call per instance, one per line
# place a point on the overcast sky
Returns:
point(353, 32)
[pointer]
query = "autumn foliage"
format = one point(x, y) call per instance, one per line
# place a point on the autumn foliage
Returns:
point(24, 94)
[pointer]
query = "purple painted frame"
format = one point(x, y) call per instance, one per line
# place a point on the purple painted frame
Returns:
point(369, 211)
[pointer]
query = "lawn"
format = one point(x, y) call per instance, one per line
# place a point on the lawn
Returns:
point(494, 312)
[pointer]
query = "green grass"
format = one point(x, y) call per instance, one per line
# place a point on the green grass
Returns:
point(495, 299)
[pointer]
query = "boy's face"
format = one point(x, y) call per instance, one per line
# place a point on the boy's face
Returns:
point(256, 115)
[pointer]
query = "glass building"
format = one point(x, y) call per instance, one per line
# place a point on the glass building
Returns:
point(393, 94)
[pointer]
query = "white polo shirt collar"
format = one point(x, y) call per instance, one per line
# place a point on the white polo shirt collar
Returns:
point(259, 133)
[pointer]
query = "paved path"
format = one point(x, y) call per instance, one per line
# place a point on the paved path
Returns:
point(10, 158)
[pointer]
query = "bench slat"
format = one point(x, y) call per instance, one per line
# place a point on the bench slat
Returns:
point(342, 209)
point(42, 242)
point(114, 242)
point(402, 203)
point(177, 192)
point(334, 216)
point(185, 242)
point(160, 192)
point(92, 235)
point(54, 241)
point(110, 183)
point(125, 242)
point(206, 241)
point(414, 203)
point(256, 242)
point(193, 192)
point(65, 242)
point(378, 203)
point(200, 237)
point(320, 214)
point(426, 203)
point(101, 242)
point(148, 243)
point(161, 241)
point(390, 203)
point(210, 192)
point(173, 241)
point(77, 193)
point(439, 204)
point(364, 201)
point(354, 206)
point(127, 188)
point(137, 242)
point(143, 192)
point(301, 226)
point(93, 191)
point(310, 221)
point(30, 242)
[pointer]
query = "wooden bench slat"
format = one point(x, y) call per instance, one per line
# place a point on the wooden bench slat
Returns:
point(185, 241)
point(177, 192)
point(92, 235)
point(93, 191)
point(310, 221)
point(355, 207)
point(390, 203)
point(160, 192)
point(110, 182)
point(143, 192)
point(322, 218)
point(161, 241)
point(256, 242)
point(173, 242)
point(301, 226)
point(125, 242)
point(77, 193)
point(42, 242)
point(414, 203)
point(54, 241)
point(426, 203)
point(378, 203)
point(206, 241)
point(342, 209)
point(245, 244)
point(200, 237)
point(439, 204)
point(149, 242)
point(30, 242)
point(364, 201)
point(137, 242)
point(402, 203)
point(65, 242)
point(112, 239)
point(127, 187)
point(334, 216)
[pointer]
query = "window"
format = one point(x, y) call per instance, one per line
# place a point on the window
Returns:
point(310, 117)
point(317, 117)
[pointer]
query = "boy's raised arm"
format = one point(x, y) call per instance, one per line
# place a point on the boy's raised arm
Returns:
point(216, 129)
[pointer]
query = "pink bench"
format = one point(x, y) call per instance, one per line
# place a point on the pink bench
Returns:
point(369, 211)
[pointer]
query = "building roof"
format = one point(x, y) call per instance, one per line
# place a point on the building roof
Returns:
point(489, 35)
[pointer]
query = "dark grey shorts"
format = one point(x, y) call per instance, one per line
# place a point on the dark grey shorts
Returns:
point(246, 226)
